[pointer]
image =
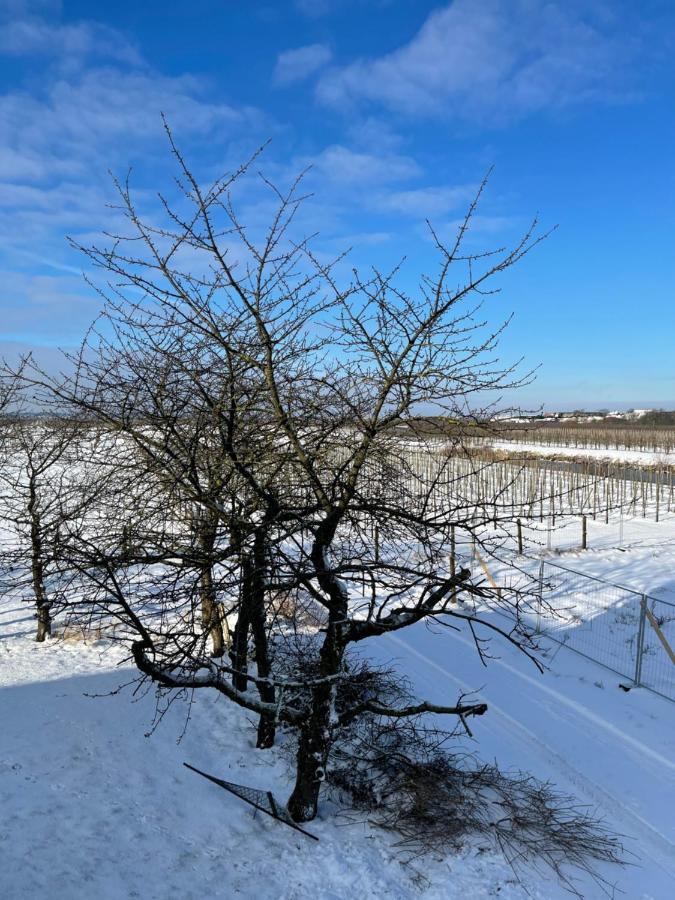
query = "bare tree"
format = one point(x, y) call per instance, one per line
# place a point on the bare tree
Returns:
point(42, 490)
point(308, 393)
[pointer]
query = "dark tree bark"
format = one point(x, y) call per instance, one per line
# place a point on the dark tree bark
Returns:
point(251, 620)
point(266, 725)
point(44, 619)
point(315, 739)
point(239, 648)
point(316, 733)
point(212, 620)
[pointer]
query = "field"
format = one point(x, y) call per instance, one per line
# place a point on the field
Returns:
point(96, 801)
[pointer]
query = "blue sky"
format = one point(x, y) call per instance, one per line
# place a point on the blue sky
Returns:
point(400, 106)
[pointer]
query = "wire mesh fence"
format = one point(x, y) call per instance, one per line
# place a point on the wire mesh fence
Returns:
point(625, 631)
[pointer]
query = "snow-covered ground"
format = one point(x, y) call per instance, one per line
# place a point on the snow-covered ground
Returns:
point(638, 457)
point(573, 725)
point(91, 807)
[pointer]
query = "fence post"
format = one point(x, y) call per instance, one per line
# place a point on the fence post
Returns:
point(583, 533)
point(640, 640)
point(519, 526)
point(541, 592)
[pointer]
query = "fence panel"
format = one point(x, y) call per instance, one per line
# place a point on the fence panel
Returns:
point(597, 619)
point(629, 633)
point(657, 664)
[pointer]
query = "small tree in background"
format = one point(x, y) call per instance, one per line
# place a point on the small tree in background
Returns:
point(42, 492)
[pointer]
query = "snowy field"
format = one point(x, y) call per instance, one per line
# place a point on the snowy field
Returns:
point(94, 808)
point(638, 457)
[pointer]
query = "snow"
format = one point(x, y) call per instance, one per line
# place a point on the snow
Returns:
point(638, 457)
point(613, 750)
point(92, 807)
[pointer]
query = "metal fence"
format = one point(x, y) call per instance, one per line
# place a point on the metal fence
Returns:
point(630, 633)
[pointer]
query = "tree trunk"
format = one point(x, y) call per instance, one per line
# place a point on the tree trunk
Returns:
point(44, 618)
point(266, 725)
point(239, 648)
point(211, 615)
point(316, 733)
point(212, 622)
point(252, 618)
point(311, 761)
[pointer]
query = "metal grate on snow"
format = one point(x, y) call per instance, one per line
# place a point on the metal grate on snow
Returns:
point(262, 800)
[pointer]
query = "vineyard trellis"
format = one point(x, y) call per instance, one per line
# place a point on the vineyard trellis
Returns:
point(639, 438)
point(541, 488)
point(626, 631)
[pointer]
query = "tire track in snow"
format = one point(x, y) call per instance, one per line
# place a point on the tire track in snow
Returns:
point(653, 838)
point(641, 749)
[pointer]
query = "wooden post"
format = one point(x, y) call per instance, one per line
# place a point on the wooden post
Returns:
point(583, 533)
point(519, 526)
point(661, 636)
point(453, 567)
point(488, 574)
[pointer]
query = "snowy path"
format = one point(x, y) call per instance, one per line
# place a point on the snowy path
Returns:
point(613, 750)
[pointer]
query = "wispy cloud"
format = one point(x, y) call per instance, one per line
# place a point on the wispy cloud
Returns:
point(106, 106)
point(491, 60)
point(296, 65)
point(92, 103)
point(427, 202)
point(57, 307)
point(31, 35)
point(343, 165)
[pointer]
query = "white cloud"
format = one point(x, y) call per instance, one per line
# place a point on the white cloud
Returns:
point(106, 102)
point(346, 166)
point(296, 65)
point(24, 36)
point(94, 104)
point(427, 202)
point(53, 306)
point(93, 96)
point(94, 118)
point(493, 59)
